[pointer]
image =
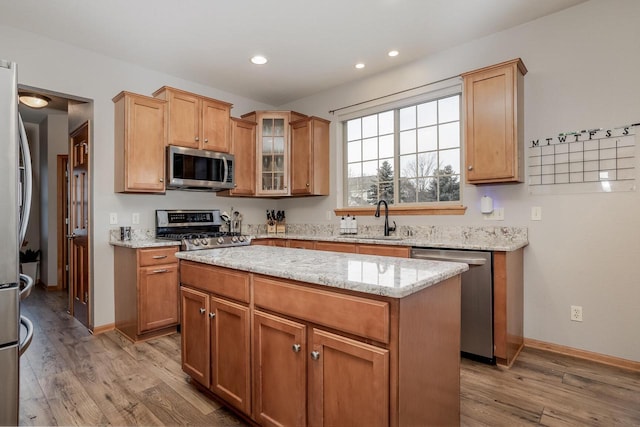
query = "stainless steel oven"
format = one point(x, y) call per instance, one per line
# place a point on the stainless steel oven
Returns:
point(191, 169)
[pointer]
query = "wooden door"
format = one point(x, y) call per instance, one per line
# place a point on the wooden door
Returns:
point(215, 126)
point(348, 382)
point(230, 353)
point(243, 148)
point(301, 156)
point(279, 363)
point(158, 298)
point(195, 335)
point(184, 119)
point(79, 276)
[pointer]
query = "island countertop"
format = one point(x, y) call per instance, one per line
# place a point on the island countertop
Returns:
point(378, 275)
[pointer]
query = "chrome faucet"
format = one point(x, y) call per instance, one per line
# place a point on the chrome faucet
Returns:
point(387, 229)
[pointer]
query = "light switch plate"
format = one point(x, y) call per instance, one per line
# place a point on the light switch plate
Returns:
point(496, 215)
point(536, 213)
point(135, 218)
point(113, 218)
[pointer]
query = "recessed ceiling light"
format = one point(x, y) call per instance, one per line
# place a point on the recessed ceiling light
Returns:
point(259, 60)
point(359, 65)
point(393, 53)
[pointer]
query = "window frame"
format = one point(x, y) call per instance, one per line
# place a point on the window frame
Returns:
point(456, 207)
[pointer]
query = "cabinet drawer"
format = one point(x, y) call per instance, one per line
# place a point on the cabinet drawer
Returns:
point(397, 251)
point(220, 281)
point(360, 316)
point(157, 256)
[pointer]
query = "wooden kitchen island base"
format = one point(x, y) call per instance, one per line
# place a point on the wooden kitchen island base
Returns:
point(286, 352)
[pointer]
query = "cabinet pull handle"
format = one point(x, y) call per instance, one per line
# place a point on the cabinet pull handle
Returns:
point(297, 348)
point(164, 270)
point(315, 355)
point(159, 256)
point(470, 167)
point(212, 315)
point(202, 310)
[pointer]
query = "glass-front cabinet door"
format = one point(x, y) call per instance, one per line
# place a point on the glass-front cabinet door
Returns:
point(273, 154)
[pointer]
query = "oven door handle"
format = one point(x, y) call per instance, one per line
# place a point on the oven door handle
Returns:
point(24, 345)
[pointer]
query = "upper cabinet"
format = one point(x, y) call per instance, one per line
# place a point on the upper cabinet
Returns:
point(196, 121)
point(310, 157)
point(243, 148)
point(140, 136)
point(273, 139)
point(494, 123)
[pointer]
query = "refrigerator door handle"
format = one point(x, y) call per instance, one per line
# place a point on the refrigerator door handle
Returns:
point(28, 281)
point(26, 202)
point(24, 345)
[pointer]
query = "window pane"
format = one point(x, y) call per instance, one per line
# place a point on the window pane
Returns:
point(451, 159)
point(427, 163)
point(370, 149)
point(354, 170)
point(427, 114)
point(408, 142)
point(449, 135)
point(449, 109)
point(427, 190)
point(278, 127)
point(370, 126)
point(354, 151)
point(385, 122)
point(408, 191)
point(407, 118)
point(354, 129)
point(370, 168)
point(408, 166)
point(386, 146)
point(428, 139)
point(278, 144)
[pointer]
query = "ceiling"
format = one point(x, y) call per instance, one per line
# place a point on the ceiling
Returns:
point(311, 46)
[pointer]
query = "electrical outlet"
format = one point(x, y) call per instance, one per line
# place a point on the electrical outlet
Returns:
point(113, 218)
point(135, 218)
point(329, 215)
point(576, 313)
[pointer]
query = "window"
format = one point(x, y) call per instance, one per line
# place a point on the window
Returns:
point(408, 155)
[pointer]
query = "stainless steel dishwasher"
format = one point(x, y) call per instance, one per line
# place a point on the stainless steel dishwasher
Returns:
point(476, 340)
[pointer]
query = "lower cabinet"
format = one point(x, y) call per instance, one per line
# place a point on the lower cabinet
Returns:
point(215, 346)
point(146, 291)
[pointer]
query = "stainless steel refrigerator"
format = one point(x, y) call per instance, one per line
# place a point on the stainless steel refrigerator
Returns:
point(15, 204)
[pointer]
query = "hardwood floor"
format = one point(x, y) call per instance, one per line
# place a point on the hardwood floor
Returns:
point(70, 377)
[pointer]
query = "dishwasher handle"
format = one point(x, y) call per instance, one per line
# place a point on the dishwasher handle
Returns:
point(449, 258)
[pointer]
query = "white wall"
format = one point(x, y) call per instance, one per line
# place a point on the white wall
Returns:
point(47, 64)
point(583, 65)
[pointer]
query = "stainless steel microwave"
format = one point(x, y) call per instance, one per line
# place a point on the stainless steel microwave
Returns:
point(191, 169)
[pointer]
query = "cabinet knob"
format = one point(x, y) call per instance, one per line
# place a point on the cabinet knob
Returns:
point(212, 315)
point(202, 310)
point(470, 167)
point(297, 348)
point(161, 179)
point(307, 184)
point(197, 138)
point(315, 355)
point(206, 140)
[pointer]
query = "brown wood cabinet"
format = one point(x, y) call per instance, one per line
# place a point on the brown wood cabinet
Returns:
point(494, 123)
point(301, 244)
point(336, 247)
point(243, 147)
point(324, 356)
point(310, 157)
point(140, 135)
point(215, 304)
point(146, 291)
point(508, 305)
point(196, 121)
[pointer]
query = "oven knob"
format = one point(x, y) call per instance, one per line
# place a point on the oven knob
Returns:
point(234, 239)
point(241, 238)
point(204, 242)
point(220, 240)
point(196, 242)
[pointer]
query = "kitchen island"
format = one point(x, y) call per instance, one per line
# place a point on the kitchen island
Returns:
point(294, 337)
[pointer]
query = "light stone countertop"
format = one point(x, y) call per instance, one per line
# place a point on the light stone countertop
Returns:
point(144, 243)
point(379, 275)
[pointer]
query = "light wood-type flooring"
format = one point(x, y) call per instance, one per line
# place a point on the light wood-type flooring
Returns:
point(70, 377)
